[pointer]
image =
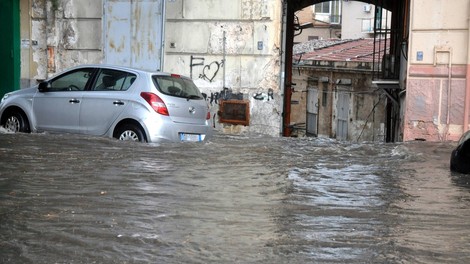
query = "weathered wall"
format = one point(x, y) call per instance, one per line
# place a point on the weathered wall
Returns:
point(62, 36)
point(366, 105)
point(247, 62)
point(438, 63)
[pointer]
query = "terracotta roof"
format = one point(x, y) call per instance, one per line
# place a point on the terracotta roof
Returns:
point(357, 50)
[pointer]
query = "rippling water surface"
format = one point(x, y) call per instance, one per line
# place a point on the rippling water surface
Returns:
point(236, 199)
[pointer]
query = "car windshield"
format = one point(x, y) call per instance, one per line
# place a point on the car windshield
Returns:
point(175, 85)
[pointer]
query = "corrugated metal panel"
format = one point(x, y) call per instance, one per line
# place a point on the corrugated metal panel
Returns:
point(133, 31)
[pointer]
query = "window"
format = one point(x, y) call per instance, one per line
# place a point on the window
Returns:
point(312, 37)
point(324, 98)
point(329, 12)
point(71, 81)
point(322, 8)
point(114, 80)
point(367, 25)
point(177, 86)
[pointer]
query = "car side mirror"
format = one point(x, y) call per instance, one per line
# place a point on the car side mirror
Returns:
point(43, 87)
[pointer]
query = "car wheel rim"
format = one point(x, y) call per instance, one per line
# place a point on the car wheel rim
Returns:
point(12, 124)
point(129, 135)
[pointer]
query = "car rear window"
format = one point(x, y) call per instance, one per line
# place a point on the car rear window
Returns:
point(177, 86)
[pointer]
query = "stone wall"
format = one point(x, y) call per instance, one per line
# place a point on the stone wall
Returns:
point(63, 34)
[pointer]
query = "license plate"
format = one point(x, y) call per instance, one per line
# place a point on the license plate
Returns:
point(190, 137)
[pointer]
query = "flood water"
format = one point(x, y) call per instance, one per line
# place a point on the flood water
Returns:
point(235, 199)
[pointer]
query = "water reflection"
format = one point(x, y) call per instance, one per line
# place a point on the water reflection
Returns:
point(236, 199)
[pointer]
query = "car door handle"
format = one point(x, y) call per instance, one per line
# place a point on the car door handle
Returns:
point(74, 101)
point(118, 103)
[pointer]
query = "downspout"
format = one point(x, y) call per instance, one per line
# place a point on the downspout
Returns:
point(449, 94)
point(447, 50)
point(162, 51)
point(224, 58)
point(467, 90)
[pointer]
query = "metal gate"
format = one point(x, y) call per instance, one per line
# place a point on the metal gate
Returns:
point(342, 110)
point(133, 33)
point(312, 111)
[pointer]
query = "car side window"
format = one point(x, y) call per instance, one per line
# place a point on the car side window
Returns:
point(114, 80)
point(71, 81)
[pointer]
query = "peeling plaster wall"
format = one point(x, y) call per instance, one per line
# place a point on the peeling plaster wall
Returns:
point(438, 63)
point(64, 37)
point(248, 62)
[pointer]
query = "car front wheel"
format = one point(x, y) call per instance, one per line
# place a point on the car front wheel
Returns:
point(16, 122)
point(130, 132)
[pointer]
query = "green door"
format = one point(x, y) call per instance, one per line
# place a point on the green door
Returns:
point(9, 46)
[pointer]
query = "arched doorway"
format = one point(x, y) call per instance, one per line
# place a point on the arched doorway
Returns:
point(397, 35)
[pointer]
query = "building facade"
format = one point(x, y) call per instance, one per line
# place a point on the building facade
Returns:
point(438, 76)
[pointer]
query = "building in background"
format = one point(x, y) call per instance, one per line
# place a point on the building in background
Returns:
point(340, 19)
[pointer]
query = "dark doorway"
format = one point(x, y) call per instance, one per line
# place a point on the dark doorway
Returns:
point(9, 46)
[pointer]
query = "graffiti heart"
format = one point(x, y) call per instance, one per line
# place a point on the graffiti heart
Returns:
point(209, 72)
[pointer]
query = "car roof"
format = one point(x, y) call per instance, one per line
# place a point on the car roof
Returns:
point(118, 67)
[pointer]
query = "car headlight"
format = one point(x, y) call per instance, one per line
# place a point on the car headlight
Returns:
point(5, 97)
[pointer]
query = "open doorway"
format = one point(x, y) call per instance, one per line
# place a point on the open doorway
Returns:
point(355, 112)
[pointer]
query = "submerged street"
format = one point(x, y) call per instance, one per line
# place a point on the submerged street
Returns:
point(235, 199)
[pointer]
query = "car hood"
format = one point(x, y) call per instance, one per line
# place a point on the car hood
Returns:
point(31, 90)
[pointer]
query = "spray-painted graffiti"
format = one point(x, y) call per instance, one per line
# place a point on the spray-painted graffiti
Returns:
point(225, 94)
point(263, 96)
point(209, 71)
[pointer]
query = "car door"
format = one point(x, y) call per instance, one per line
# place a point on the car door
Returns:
point(105, 101)
point(57, 108)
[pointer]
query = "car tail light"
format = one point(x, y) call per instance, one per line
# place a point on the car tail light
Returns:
point(155, 102)
point(208, 116)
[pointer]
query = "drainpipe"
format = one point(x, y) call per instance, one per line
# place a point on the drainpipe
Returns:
point(162, 51)
point(449, 95)
point(467, 90)
point(447, 50)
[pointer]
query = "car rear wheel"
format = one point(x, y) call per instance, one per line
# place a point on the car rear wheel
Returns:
point(16, 122)
point(130, 132)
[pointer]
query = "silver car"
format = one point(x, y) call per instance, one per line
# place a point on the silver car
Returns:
point(104, 100)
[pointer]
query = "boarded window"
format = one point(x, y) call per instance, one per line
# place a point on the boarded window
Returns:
point(235, 112)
